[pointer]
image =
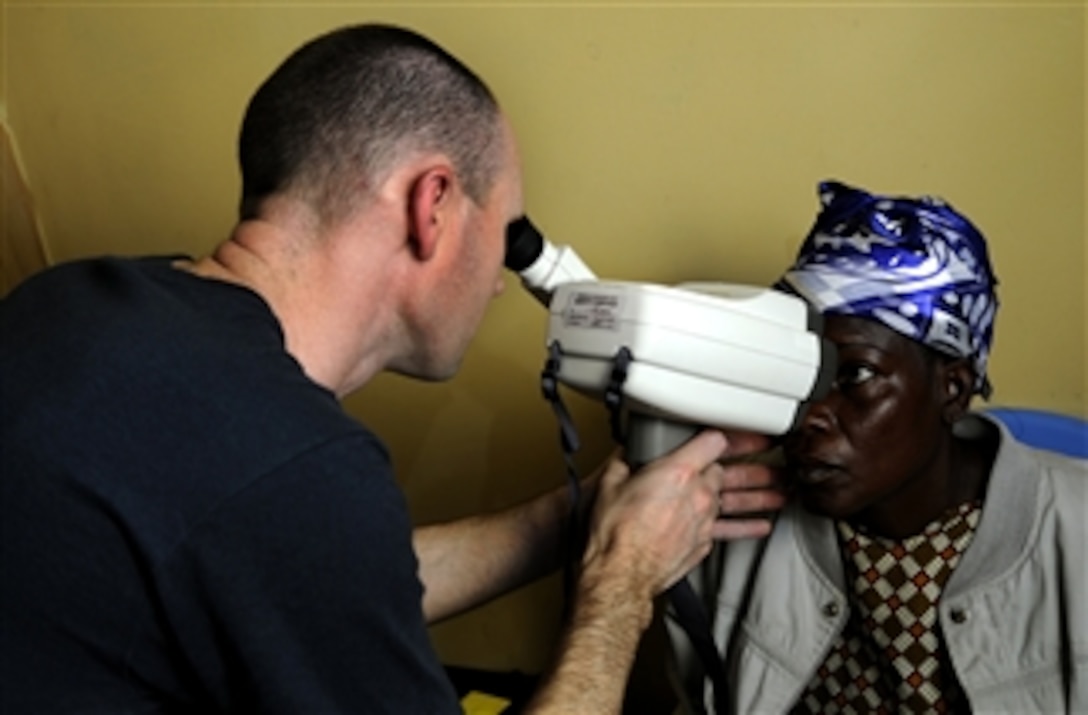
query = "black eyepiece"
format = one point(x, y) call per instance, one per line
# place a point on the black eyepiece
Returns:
point(524, 244)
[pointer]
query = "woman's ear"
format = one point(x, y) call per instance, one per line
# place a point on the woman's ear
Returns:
point(429, 209)
point(958, 378)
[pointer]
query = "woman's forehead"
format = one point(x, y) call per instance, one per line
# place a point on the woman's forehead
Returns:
point(853, 331)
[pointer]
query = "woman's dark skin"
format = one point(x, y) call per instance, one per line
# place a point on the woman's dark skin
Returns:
point(879, 450)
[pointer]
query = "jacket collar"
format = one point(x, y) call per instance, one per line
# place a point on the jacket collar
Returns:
point(1008, 511)
point(1008, 516)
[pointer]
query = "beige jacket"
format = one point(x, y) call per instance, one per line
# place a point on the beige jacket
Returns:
point(1014, 612)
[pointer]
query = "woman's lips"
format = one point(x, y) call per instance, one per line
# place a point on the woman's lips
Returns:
point(814, 473)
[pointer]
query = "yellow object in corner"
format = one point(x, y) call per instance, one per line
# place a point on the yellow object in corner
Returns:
point(477, 703)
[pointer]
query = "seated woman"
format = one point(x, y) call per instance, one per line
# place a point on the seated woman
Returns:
point(929, 563)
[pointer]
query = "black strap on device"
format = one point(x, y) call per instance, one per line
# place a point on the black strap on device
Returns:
point(613, 394)
point(692, 618)
point(569, 443)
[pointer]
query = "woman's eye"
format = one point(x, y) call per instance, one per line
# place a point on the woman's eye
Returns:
point(850, 375)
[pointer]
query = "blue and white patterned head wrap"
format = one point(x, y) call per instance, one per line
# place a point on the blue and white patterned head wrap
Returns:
point(915, 265)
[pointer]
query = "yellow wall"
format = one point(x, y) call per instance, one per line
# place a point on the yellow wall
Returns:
point(667, 143)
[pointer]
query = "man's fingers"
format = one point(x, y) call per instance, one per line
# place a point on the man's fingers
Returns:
point(751, 501)
point(746, 442)
point(724, 529)
point(614, 471)
point(748, 476)
point(704, 448)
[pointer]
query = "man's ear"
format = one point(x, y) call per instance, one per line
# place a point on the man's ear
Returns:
point(430, 209)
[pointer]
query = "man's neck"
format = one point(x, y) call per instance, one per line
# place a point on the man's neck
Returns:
point(308, 291)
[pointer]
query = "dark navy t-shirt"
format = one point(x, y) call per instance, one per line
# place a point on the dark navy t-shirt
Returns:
point(190, 524)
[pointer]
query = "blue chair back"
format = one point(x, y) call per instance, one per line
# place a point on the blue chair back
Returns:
point(1045, 430)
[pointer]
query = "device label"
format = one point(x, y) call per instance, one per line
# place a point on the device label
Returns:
point(594, 311)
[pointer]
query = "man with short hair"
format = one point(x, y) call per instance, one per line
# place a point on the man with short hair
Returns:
point(191, 523)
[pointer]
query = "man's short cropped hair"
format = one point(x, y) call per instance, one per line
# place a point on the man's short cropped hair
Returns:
point(336, 115)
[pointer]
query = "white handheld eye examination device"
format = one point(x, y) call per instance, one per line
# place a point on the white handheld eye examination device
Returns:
point(668, 361)
point(694, 355)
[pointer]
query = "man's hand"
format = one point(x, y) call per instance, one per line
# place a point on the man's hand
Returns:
point(647, 531)
point(657, 524)
point(752, 488)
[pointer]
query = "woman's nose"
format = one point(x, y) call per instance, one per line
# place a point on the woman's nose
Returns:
point(819, 415)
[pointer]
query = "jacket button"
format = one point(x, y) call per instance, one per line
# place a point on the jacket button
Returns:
point(830, 609)
point(958, 615)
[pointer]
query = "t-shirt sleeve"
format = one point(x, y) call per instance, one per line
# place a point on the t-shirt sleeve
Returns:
point(300, 594)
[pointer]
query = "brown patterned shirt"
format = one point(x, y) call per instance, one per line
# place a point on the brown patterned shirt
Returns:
point(891, 657)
